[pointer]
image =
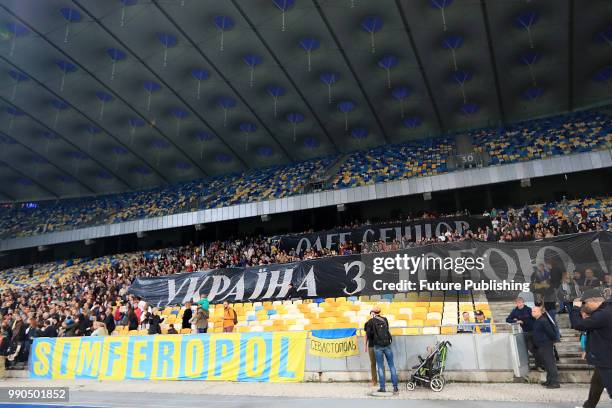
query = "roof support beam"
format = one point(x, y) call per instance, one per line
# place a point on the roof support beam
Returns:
point(282, 68)
point(41, 124)
point(42, 85)
point(420, 64)
point(58, 168)
point(7, 195)
point(58, 49)
point(348, 63)
point(20, 173)
point(500, 103)
point(570, 50)
point(218, 72)
point(146, 66)
point(119, 97)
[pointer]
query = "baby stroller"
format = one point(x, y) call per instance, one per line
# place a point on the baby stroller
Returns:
point(431, 369)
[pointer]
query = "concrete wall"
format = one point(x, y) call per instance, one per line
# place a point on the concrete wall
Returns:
point(472, 357)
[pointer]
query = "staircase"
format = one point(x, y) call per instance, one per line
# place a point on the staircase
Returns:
point(572, 368)
point(322, 180)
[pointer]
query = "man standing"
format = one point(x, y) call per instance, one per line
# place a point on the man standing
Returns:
point(590, 281)
point(598, 326)
point(377, 328)
point(200, 320)
point(369, 345)
point(521, 314)
point(544, 337)
point(229, 318)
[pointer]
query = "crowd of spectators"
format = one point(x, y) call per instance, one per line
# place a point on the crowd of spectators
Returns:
point(530, 140)
point(51, 216)
point(89, 297)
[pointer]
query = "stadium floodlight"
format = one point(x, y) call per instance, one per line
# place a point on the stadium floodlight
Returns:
point(341, 207)
point(265, 218)
point(427, 196)
point(526, 182)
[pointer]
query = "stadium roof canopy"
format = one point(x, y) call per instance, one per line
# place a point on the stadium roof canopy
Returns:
point(112, 95)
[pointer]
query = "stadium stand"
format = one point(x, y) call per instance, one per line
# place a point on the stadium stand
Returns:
point(70, 297)
point(531, 140)
point(395, 162)
point(540, 139)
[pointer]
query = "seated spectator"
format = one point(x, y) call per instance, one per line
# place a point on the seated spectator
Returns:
point(590, 281)
point(483, 324)
point(171, 329)
point(68, 328)
point(466, 325)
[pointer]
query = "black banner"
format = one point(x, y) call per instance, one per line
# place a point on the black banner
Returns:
point(410, 230)
point(499, 269)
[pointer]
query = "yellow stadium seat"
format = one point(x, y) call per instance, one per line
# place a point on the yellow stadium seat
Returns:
point(436, 307)
point(415, 323)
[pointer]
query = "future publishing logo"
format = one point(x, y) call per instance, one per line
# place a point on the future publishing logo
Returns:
point(458, 265)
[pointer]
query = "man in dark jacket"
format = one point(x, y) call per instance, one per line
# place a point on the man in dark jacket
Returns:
point(591, 314)
point(49, 330)
point(544, 337)
point(521, 314)
point(377, 328)
point(31, 333)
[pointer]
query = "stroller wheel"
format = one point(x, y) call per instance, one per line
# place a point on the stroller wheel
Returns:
point(437, 383)
point(410, 386)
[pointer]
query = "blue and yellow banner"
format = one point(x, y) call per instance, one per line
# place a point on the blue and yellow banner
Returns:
point(334, 343)
point(263, 357)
